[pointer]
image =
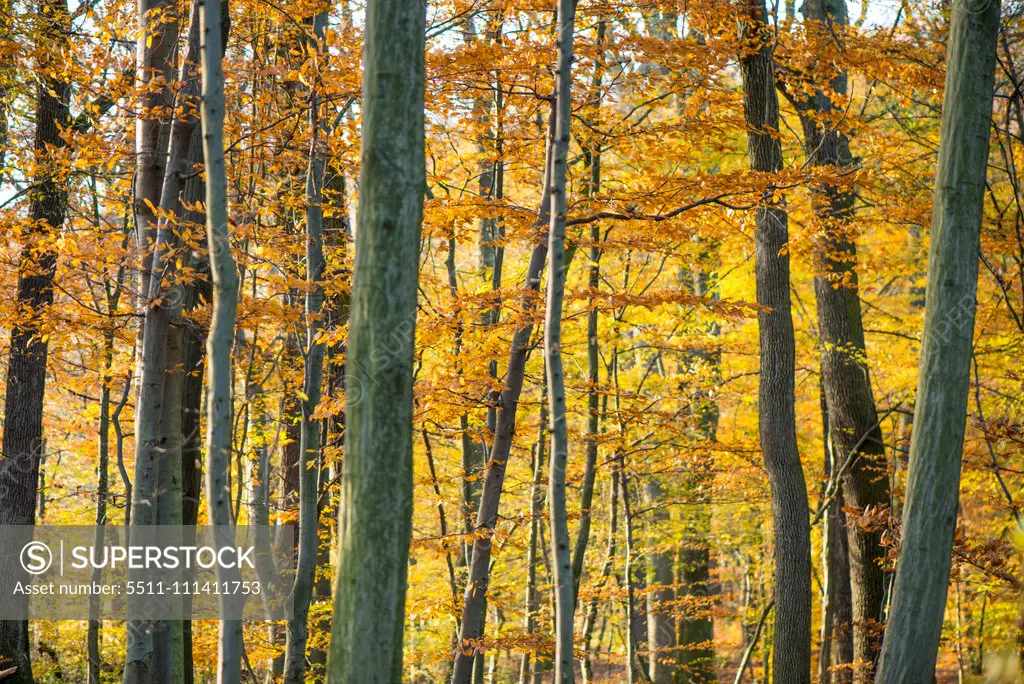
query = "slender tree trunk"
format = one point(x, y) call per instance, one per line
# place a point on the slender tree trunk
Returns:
point(837, 610)
point(776, 404)
point(309, 441)
point(376, 517)
point(221, 336)
point(102, 488)
point(661, 622)
point(929, 517)
point(593, 186)
point(560, 545)
point(26, 361)
point(586, 666)
point(529, 670)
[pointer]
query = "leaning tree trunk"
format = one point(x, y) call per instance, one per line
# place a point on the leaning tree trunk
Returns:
point(561, 560)
point(854, 431)
point(933, 479)
point(375, 522)
point(776, 411)
point(221, 336)
point(26, 362)
point(475, 599)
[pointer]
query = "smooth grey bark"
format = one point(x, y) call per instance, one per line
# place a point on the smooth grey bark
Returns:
point(375, 522)
point(914, 627)
point(166, 157)
point(222, 333)
point(26, 361)
point(474, 601)
point(592, 157)
point(561, 560)
point(776, 400)
point(313, 372)
point(854, 430)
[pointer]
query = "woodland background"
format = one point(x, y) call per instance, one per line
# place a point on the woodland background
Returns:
point(667, 489)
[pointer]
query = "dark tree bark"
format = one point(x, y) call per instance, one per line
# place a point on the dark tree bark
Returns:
point(933, 479)
point(854, 431)
point(776, 409)
point(26, 362)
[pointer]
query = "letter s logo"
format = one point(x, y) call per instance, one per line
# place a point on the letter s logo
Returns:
point(36, 558)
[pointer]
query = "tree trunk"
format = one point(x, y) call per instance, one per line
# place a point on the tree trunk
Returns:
point(309, 440)
point(853, 419)
point(592, 157)
point(837, 604)
point(221, 336)
point(933, 479)
point(375, 523)
point(792, 646)
point(661, 621)
point(26, 362)
point(529, 670)
point(695, 656)
point(560, 545)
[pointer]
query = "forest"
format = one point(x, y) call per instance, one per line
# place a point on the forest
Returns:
point(666, 341)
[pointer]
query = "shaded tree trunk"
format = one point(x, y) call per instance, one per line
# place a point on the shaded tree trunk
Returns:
point(929, 518)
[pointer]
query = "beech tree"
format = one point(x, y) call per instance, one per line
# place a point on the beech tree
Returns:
point(376, 511)
point(914, 626)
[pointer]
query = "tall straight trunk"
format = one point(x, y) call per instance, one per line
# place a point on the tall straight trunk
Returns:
point(375, 521)
point(592, 157)
point(854, 430)
point(166, 159)
point(26, 361)
point(634, 666)
point(221, 336)
point(933, 478)
point(776, 401)
point(313, 371)
point(561, 559)
point(475, 599)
